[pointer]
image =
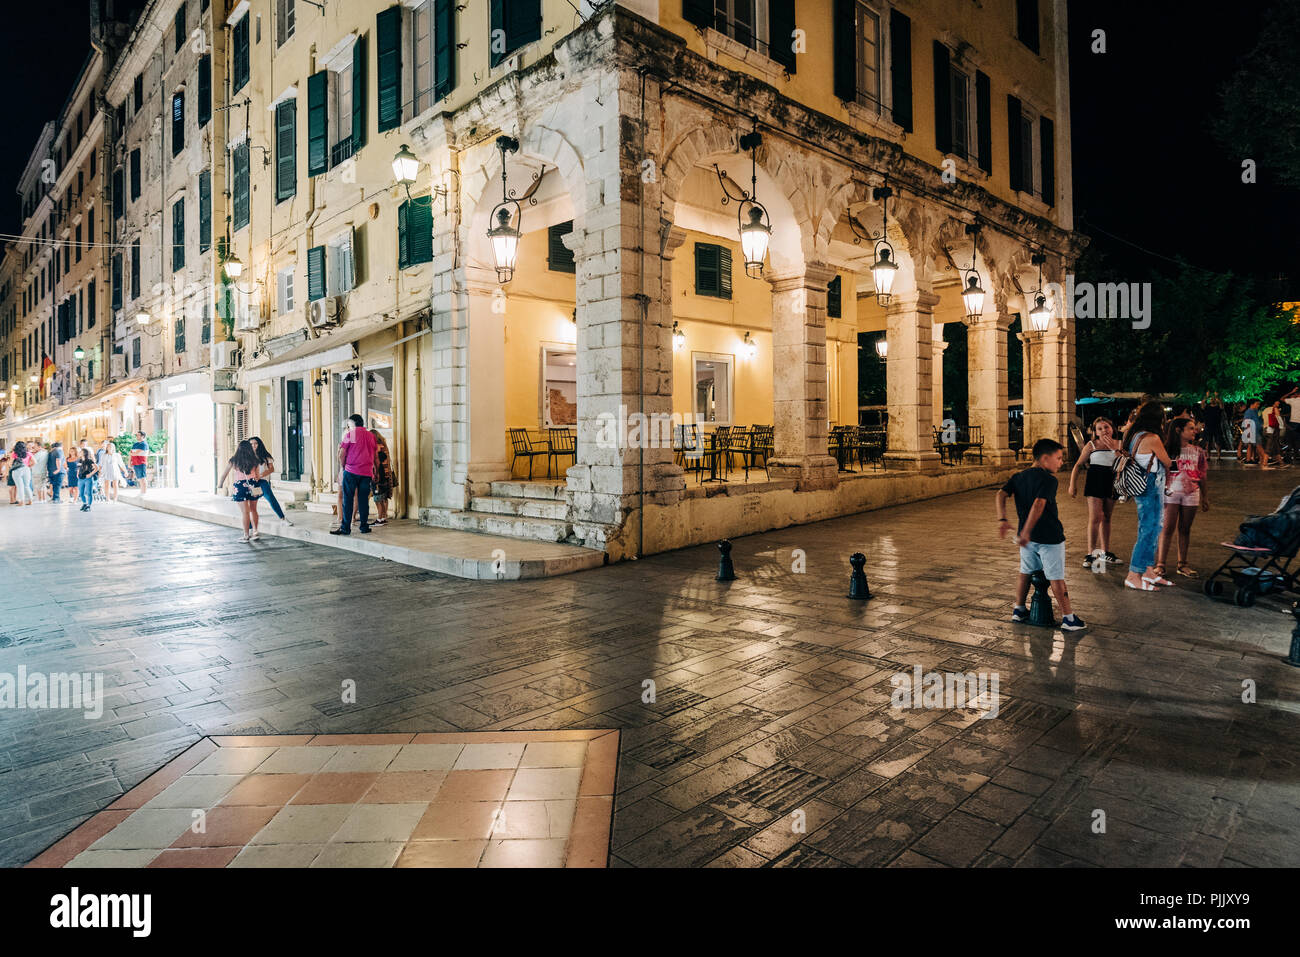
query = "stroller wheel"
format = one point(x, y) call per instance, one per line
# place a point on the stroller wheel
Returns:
point(1213, 587)
point(1244, 597)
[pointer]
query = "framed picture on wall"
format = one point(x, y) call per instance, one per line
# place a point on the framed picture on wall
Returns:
point(713, 387)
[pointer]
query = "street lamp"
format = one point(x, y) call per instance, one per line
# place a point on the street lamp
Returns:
point(233, 267)
point(972, 295)
point(1041, 314)
point(882, 348)
point(752, 219)
point(143, 318)
point(679, 337)
point(78, 353)
point(405, 167)
point(508, 215)
point(318, 385)
point(751, 347)
point(885, 269)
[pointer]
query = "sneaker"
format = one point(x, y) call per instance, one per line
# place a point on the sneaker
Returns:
point(340, 531)
point(1112, 558)
point(1088, 560)
point(1020, 613)
point(245, 538)
point(287, 522)
point(1072, 623)
point(365, 529)
point(255, 536)
point(379, 521)
point(1250, 464)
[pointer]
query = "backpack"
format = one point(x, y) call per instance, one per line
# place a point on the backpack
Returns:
point(1131, 479)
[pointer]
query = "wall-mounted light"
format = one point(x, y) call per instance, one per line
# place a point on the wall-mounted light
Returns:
point(319, 384)
point(750, 346)
point(405, 167)
point(34, 379)
point(1041, 315)
point(370, 383)
point(885, 268)
point(233, 267)
point(679, 337)
point(78, 353)
point(751, 216)
point(143, 318)
point(972, 295)
point(882, 347)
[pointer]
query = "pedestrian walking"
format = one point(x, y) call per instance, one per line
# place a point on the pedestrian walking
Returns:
point(1274, 424)
point(265, 469)
point(86, 472)
point(1143, 443)
point(1252, 433)
point(56, 469)
point(40, 471)
point(111, 471)
point(357, 460)
point(1185, 493)
point(1214, 419)
point(1098, 490)
point(244, 467)
point(1040, 535)
point(20, 470)
point(140, 461)
point(384, 481)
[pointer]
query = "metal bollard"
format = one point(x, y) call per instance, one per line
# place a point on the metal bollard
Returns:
point(1040, 608)
point(726, 570)
point(858, 579)
point(1294, 658)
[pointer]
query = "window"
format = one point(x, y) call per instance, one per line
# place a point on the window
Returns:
point(179, 342)
point(205, 334)
point(415, 232)
point(315, 273)
point(519, 22)
point(205, 210)
point(284, 291)
point(341, 103)
point(90, 305)
point(135, 353)
point(559, 386)
point(559, 257)
point(339, 263)
point(135, 174)
point(1027, 23)
point(90, 228)
point(711, 387)
point(960, 99)
point(239, 202)
point(178, 234)
point(178, 122)
point(239, 55)
point(119, 191)
point(284, 21)
point(421, 57)
point(834, 299)
point(77, 235)
point(135, 269)
point(962, 110)
point(745, 21)
point(139, 92)
point(712, 270)
point(286, 139)
point(204, 107)
point(867, 29)
point(180, 28)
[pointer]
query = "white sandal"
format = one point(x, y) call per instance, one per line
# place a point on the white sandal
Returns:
point(1145, 586)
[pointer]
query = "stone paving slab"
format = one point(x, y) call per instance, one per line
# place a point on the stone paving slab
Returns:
point(770, 738)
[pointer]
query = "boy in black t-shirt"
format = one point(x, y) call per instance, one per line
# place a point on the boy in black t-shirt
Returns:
point(1040, 535)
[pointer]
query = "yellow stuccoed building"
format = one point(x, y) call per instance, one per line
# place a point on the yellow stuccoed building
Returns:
point(642, 336)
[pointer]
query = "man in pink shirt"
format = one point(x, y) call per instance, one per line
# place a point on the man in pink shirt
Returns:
point(357, 459)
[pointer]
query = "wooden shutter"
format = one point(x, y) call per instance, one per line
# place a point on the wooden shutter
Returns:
point(497, 35)
point(900, 68)
point(984, 121)
point(239, 56)
point(780, 33)
point(388, 53)
point(845, 45)
point(318, 147)
point(1027, 23)
point(286, 159)
point(1015, 156)
point(119, 193)
point(419, 231)
point(724, 272)
point(523, 22)
point(178, 235)
point(559, 257)
point(403, 248)
point(205, 90)
point(240, 183)
point(205, 210)
point(834, 302)
point(706, 269)
point(135, 174)
point(117, 281)
point(942, 100)
point(90, 304)
point(358, 95)
point(315, 273)
point(698, 12)
point(1047, 147)
point(444, 48)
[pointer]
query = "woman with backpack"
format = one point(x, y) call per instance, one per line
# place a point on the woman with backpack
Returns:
point(1143, 472)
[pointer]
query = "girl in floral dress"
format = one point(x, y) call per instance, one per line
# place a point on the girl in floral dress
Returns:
point(1185, 493)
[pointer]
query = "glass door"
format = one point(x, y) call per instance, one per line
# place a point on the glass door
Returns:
point(379, 400)
point(341, 392)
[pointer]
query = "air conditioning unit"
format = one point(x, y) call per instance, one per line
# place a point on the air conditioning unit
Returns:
point(225, 355)
point(117, 366)
point(323, 312)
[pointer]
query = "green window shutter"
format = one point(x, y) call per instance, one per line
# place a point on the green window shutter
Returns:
point(1015, 156)
point(318, 150)
point(1048, 151)
point(90, 304)
point(135, 269)
point(900, 68)
point(706, 269)
point(444, 48)
point(724, 272)
point(117, 281)
point(780, 47)
point(239, 55)
point(358, 94)
point(286, 142)
point(419, 231)
point(834, 305)
point(178, 235)
point(388, 54)
point(403, 248)
point(205, 210)
point(135, 174)
point(239, 202)
point(119, 193)
point(205, 90)
point(698, 12)
point(942, 99)
point(984, 121)
point(316, 273)
point(559, 257)
point(845, 50)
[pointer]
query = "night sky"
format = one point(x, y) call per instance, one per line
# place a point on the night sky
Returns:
point(1145, 167)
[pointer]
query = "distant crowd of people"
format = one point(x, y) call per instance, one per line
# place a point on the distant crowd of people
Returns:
point(37, 472)
point(1257, 433)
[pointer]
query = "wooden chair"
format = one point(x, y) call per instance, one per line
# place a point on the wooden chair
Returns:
point(522, 446)
point(562, 443)
point(975, 441)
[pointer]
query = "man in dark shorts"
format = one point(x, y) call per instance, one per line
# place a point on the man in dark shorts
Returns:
point(140, 460)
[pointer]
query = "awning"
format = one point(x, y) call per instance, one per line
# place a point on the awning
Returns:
point(336, 347)
point(80, 406)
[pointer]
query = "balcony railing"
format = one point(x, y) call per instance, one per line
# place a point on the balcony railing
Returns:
point(341, 152)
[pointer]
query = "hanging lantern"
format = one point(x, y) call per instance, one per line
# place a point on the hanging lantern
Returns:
point(882, 347)
point(755, 236)
point(752, 218)
point(1041, 315)
point(883, 272)
point(508, 217)
point(405, 167)
point(143, 318)
point(973, 297)
point(679, 337)
point(78, 353)
point(233, 267)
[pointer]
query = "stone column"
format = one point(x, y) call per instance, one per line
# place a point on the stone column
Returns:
point(1048, 384)
point(908, 373)
point(799, 390)
point(936, 371)
point(986, 364)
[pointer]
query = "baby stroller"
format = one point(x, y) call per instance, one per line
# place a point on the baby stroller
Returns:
point(1261, 555)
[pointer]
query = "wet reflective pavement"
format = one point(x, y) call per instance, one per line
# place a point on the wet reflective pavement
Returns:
point(770, 737)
